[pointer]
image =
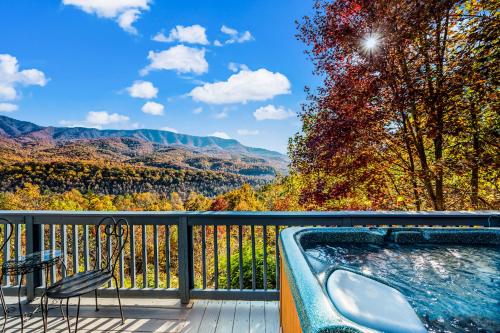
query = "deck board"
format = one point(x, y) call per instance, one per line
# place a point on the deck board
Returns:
point(226, 317)
point(257, 317)
point(241, 322)
point(272, 317)
point(204, 316)
point(195, 316)
point(210, 317)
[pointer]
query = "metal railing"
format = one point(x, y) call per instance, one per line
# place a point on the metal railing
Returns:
point(214, 255)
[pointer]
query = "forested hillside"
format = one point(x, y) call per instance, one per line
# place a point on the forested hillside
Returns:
point(103, 162)
point(107, 179)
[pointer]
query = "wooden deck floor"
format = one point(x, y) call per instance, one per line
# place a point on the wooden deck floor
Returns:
point(204, 316)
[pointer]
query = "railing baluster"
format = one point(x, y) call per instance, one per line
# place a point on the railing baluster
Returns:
point(144, 258)
point(252, 234)
point(76, 259)
point(6, 252)
point(216, 259)
point(17, 249)
point(86, 247)
point(42, 245)
point(155, 254)
point(277, 254)
point(203, 257)
point(52, 246)
point(167, 254)
point(108, 254)
point(121, 263)
point(98, 246)
point(228, 256)
point(64, 249)
point(240, 254)
point(264, 245)
point(132, 256)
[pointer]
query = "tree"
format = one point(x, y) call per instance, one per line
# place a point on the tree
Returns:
point(197, 202)
point(384, 125)
point(176, 201)
point(243, 198)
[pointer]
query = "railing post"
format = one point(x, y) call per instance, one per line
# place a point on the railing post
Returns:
point(185, 246)
point(33, 235)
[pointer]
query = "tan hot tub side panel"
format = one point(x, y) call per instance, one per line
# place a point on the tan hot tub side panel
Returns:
point(289, 319)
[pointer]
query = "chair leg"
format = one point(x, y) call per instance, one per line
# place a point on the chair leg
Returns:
point(119, 300)
point(21, 315)
point(96, 305)
point(67, 315)
point(61, 309)
point(45, 310)
point(4, 307)
point(46, 313)
point(77, 314)
point(42, 306)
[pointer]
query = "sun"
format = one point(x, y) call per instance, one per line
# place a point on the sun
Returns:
point(371, 42)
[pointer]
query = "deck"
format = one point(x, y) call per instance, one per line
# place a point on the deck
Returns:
point(141, 315)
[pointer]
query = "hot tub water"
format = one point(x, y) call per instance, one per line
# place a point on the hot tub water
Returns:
point(452, 288)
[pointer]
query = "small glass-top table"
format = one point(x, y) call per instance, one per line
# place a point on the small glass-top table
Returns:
point(29, 264)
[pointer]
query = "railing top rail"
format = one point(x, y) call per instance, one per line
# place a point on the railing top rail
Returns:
point(336, 218)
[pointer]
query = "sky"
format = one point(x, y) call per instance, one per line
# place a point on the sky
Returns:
point(226, 68)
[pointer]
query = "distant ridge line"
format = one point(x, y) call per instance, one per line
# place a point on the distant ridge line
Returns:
point(13, 128)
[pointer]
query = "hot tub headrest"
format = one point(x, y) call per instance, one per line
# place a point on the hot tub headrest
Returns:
point(372, 304)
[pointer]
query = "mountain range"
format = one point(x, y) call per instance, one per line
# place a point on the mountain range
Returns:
point(23, 143)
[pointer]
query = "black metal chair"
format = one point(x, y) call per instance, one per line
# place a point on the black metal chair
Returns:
point(83, 283)
point(5, 242)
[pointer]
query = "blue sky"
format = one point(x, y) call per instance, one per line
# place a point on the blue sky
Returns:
point(225, 68)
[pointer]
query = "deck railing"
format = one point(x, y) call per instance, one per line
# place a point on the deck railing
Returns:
point(214, 255)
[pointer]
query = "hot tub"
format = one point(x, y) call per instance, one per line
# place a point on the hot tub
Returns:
point(390, 280)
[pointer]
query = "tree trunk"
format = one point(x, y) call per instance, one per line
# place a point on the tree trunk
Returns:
point(474, 181)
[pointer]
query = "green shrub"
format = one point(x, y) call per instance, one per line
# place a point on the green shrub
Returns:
point(247, 268)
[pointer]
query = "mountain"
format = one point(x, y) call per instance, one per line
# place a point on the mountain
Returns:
point(13, 128)
point(174, 162)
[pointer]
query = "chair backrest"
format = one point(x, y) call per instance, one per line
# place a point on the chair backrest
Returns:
point(6, 239)
point(117, 231)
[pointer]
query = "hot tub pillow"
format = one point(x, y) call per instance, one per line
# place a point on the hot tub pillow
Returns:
point(372, 304)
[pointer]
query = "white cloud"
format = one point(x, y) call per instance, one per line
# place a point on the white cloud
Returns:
point(169, 129)
point(217, 43)
point(242, 87)
point(124, 12)
point(234, 67)
point(235, 36)
point(11, 77)
point(142, 89)
point(128, 18)
point(180, 58)
point(198, 110)
point(153, 108)
point(271, 112)
point(98, 119)
point(247, 132)
point(8, 107)
point(220, 134)
point(221, 115)
point(228, 31)
point(195, 34)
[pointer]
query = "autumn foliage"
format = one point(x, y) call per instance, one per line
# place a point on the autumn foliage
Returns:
point(409, 123)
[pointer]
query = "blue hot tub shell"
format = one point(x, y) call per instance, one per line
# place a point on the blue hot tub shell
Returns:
point(308, 283)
